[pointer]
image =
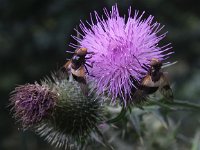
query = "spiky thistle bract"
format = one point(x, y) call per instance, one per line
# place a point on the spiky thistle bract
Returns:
point(74, 118)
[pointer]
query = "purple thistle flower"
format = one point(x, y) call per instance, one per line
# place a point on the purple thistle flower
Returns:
point(32, 103)
point(122, 50)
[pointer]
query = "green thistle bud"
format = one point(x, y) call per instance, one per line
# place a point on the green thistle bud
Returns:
point(74, 118)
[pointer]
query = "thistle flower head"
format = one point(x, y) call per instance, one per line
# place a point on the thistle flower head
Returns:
point(123, 49)
point(74, 118)
point(32, 103)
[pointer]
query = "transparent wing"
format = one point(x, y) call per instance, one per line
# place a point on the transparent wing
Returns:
point(165, 88)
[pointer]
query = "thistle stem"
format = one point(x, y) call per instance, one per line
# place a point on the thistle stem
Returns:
point(185, 104)
point(119, 116)
point(177, 103)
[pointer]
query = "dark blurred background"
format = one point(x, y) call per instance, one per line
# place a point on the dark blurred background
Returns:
point(35, 34)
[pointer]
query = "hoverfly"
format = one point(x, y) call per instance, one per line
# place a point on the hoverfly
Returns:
point(77, 64)
point(153, 81)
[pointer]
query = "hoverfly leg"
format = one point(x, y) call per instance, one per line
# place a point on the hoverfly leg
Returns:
point(88, 65)
point(86, 70)
point(91, 53)
point(70, 52)
point(89, 57)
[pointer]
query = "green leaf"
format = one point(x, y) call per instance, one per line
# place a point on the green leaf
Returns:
point(134, 119)
point(196, 142)
point(162, 117)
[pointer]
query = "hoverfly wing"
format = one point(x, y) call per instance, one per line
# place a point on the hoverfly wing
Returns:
point(165, 88)
point(63, 72)
point(84, 88)
point(139, 96)
point(66, 67)
point(166, 91)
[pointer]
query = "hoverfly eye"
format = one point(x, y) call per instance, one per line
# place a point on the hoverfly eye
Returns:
point(75, 59)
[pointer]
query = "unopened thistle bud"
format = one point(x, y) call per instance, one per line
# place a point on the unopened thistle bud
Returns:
point(74, 117)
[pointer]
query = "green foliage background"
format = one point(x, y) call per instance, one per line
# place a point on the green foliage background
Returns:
point(34, 35)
